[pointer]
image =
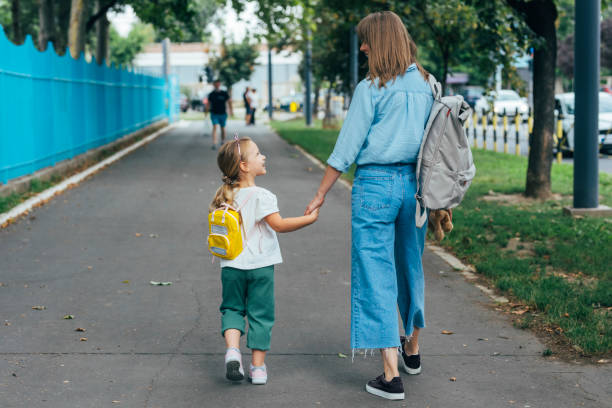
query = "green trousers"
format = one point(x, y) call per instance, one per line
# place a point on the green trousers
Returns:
point(249, 293)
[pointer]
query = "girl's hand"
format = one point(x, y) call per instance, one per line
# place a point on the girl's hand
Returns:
point(312, 217)
point(316, 203)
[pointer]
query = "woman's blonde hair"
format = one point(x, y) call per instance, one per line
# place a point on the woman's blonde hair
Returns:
point(392, 50)
point(229, 158)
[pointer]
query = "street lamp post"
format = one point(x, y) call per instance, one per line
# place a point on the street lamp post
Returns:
point(307, 102)
point(586, 68)
point(270, 104)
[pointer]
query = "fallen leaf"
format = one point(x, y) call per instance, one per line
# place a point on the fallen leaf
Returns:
point(566, 315)
point(453, 379)
point(66, 382)
point(603, 361)
point(497, 353)
point(153, 235)
point(83, 339)
point(7, 323)
point(138, 234)
point(482, 339)
point(520, 312)
point(90, 267)
point(69, 317)
point(154, 283)
point(341, 355)
point(126, 281)
point(39, 307)
point(80, 329)
point(448, 332)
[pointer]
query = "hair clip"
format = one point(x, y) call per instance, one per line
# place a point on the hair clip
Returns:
point(237, 143)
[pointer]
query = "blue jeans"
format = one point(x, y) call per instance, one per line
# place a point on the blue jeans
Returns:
point(387, 247)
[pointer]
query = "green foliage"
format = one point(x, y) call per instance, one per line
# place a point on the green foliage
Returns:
point(123, 50)
point(236, 62)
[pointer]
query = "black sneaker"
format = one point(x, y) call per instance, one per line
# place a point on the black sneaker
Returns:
point(393, 390)
point(410, 364)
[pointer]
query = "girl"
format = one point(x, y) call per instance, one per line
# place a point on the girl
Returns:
point(382, 133)
point(248, 279)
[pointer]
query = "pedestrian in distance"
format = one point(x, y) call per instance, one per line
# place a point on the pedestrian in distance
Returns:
point(218, 105)
point(253, 98)
point(382, 134)
point(248, 279)
point(247, 108)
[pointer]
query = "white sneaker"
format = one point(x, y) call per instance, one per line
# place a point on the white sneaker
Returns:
point(233, 365)
point(258, 375)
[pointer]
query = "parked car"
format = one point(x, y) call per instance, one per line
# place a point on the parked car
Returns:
point(471, 94)
point(506, 102)
point(184, 103)
point(564, 109)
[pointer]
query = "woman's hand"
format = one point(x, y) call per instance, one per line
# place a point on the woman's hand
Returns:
point(315, 204)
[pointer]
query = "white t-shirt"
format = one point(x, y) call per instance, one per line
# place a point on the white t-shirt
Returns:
point(254, 97)
point(261, 245)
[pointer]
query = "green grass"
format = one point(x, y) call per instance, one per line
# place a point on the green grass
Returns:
point(566, 278)
point(36, 186)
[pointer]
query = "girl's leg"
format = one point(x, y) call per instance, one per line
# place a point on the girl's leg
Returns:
point(260, 311)
point(259, 358)
point(232, 338)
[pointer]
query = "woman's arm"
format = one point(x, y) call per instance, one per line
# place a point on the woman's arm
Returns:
point(329, 178)
point(280, 224)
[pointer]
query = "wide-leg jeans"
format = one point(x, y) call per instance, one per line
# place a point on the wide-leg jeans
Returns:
point(387, 248)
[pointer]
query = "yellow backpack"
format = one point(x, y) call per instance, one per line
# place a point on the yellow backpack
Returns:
point(225, 227)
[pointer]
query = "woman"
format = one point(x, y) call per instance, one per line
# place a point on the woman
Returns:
point(382, 134)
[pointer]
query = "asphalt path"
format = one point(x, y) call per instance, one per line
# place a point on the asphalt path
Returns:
point(92, 252)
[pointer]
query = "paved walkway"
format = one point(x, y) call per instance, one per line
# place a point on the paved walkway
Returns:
point(92, 251)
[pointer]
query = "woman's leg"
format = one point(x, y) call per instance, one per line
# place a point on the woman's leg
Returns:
point(411, 346)
point(409, 246)
point(389, 357)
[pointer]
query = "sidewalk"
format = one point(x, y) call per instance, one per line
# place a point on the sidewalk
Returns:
point(92, 251)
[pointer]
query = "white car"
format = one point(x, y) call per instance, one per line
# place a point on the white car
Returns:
point(564, 108)
point(505, 102)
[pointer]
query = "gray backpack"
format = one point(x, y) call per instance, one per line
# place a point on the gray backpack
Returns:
point(445, 167)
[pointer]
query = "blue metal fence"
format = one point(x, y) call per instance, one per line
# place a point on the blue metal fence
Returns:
point(53, 108)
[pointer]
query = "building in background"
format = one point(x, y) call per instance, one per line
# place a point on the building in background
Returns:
point(187, 61)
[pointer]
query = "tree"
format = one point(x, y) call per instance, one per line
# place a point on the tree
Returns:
point(565, 52)
point(236, 62)
point(124, 50)
point(76, 30)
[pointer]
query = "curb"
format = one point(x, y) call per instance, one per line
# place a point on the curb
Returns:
point(465, 270)
point(41, 198)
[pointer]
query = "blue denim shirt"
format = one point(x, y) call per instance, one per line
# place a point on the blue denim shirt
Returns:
point(384, 125)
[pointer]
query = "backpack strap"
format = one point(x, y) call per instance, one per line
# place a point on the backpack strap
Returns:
point(436, 87)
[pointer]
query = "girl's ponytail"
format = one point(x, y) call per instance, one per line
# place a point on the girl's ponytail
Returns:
point(229, 158)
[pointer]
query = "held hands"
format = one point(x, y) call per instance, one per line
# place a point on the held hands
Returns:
point(315, 204)
point(313, 216)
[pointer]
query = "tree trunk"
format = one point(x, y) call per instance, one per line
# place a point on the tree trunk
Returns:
point(330, 121)
point(102, 26)
point(317, 91)
point(63, 21)
point(445, 58)
point(540, 16)
point(76, 31)
point(16, 22)
point(46, 28)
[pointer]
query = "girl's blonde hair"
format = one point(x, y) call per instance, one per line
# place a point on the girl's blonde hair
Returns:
point(392, 50)
point(229, 158)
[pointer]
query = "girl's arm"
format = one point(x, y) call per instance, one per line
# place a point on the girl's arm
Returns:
point(280, 224)
point(329, 178)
